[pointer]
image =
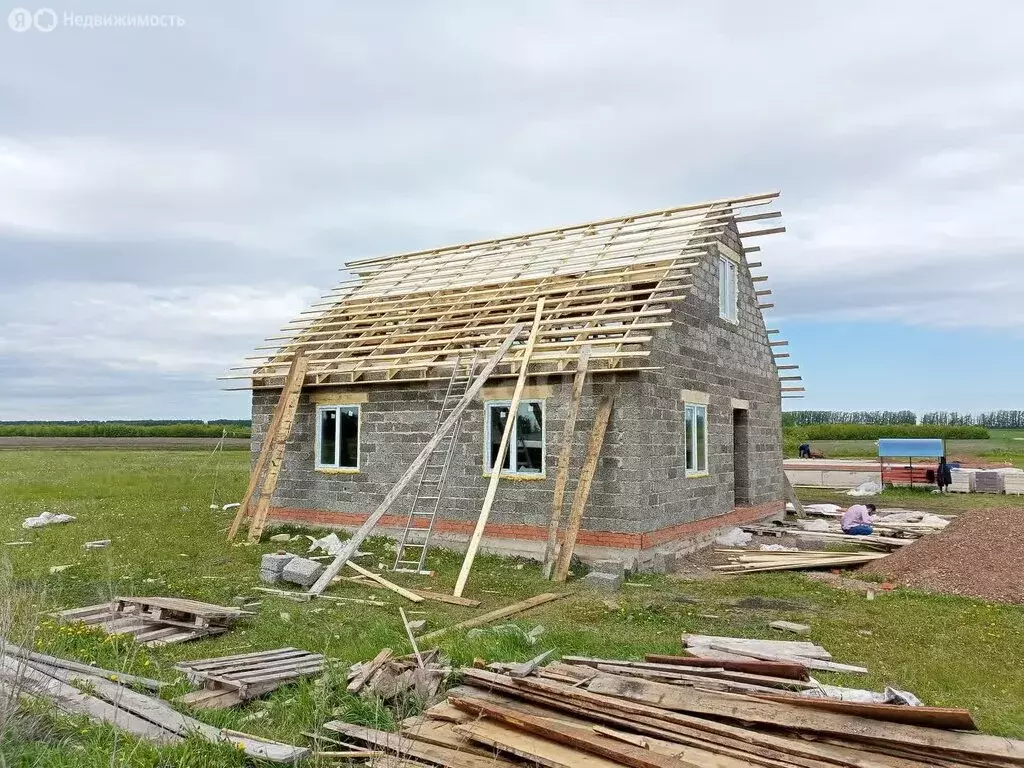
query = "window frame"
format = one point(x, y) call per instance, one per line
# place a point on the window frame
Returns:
point(318, 457)
point(690, 440)
point(513, 471)
point(728, 290)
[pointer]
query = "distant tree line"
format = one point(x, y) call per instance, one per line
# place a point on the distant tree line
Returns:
point(990, 419)
point(884, 418)
point(146, 428)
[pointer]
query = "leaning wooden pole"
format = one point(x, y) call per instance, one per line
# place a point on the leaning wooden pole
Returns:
point(579, 499)
point(499, 460)
point(371, 522)
point(565, 459)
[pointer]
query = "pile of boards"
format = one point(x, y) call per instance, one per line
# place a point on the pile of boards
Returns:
point(832, 533)
point(107, 696)
point(155, 621)
point(754, 561)
point(231, 680)
point(672, 712)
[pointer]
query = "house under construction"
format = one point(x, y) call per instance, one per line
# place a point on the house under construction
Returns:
point(646, 389)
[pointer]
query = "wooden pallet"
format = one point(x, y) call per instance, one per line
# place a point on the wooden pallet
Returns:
point(230, 680)
point(155, 621)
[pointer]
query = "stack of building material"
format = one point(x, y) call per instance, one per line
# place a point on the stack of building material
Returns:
point(801, 652)
point(103, 696)
point(744, 561)
point(674, 712)
point(155, 621)
point(831, 533)
point(230, 680)
point(963, 480)
point(1013, 482)
point(988, 482)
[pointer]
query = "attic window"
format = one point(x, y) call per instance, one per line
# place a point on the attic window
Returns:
point(728, 296)
point(337, 437)
point(525, 455)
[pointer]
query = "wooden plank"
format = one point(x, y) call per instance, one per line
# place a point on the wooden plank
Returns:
point(441, 597)
point(790, 670)
point(52, 661)
point(499, 459)
point(403, 746)
point(787, 715)
point(787, 647)
point(441, 734)
point(534, 750)
point(500, 613)
point(407, 594)
point(692, 674)
point(298, 370)
point(579, 499)
point(529, 667)
point(371, 522)
point(367, 669)
point(564, 460)
point(819, 664)
point(578, 739)
point(928, 717)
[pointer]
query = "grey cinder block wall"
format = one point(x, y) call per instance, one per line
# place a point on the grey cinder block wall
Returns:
point(641, 500)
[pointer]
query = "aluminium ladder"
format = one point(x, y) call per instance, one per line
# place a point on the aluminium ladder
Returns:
point(412, 547)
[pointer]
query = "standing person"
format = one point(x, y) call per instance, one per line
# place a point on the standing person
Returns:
point(857, 520)
point(943, 476)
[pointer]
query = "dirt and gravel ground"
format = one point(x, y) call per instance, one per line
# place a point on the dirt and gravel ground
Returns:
point(980, 554)
point(122, 442)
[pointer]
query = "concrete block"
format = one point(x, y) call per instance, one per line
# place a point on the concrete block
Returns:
point(789, 626)
point(302, 571)
point(663, 562)
point(275, 562)
point(605, 582)
point(270, 577)
point(611, 567)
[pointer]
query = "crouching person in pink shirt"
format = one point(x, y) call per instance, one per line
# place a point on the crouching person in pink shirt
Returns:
point(857, 520)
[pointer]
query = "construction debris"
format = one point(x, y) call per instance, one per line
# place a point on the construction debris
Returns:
point(272, 565)
point(301, 571)
point(231, 680)
point(100, 544)
point(155, 621)
point(389, 678)
point(801, 652)
point(789, 626)
point(603, 713)
point(501, 613)
point(72, 690)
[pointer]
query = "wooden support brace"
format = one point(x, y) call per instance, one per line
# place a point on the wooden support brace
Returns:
point(499, 460)
point(564, 460)
point(579, 499)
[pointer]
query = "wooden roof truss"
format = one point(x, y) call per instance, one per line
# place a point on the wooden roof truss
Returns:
point(608, 284)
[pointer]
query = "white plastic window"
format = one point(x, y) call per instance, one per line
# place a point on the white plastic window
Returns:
point(728, 297)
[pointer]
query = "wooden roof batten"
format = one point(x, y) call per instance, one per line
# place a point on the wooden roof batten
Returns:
point(607, 284)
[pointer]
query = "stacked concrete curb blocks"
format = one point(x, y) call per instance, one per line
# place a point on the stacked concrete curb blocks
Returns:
point(301, 571)
point(272, 566)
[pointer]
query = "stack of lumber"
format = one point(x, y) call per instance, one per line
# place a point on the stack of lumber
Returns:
point(387, 677)
point(673, 712)
point(754, 561)
point(963, 480)
point(231, 680)
point(831, 534)
point(155, 621)
point(988, 482)
point(104, 696)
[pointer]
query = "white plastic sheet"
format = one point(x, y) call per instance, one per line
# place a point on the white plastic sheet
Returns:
point(734, 537)
point(870, 488)
point(47, 518)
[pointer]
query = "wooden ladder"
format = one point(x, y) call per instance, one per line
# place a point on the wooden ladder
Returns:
point(271, 458)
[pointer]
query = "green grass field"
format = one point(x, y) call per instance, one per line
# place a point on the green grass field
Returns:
point(1003, 445)
point(155, 505)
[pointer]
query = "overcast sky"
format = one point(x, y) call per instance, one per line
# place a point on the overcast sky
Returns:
point(169, 196)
